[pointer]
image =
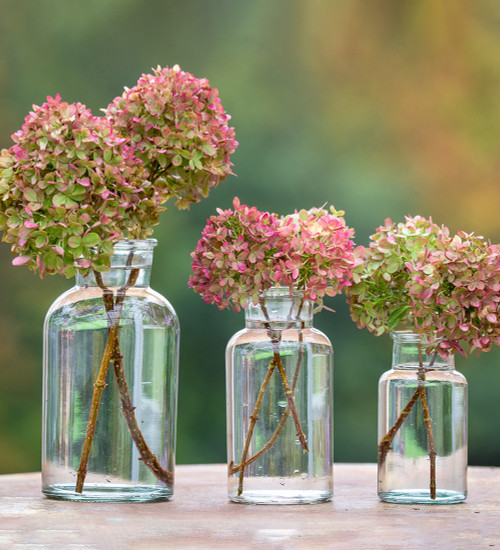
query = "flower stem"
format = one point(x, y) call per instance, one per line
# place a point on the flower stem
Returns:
point(385, 443)
point(428, 425)
point(276, 362)
point(430, 440)
point(291, 403)
point(286, 413)
point(253, 420)
point(100, 382)
point(286, 386)
point(149, 459)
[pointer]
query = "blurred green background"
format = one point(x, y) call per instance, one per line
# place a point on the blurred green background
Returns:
point(382, 108)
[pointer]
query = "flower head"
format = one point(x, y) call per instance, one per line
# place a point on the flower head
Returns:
point(69, 188)
point(244, 252)
point(180, 131)
point(378, 297)
point(455, 295)
point(233, 259)
point(446, 287)
point(315, 253)
point(74, 184)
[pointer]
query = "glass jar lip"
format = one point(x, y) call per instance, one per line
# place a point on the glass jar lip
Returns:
point(408, 336)
point(136, 244)
point(281, 291)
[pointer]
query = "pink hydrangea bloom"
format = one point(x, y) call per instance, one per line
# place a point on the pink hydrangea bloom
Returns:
point(417, 275)
point(315, 253)
point(73, 184)
point(455, 295)
point(233, 260)
point(180, 131)
point(244, 252)
point(69, 188)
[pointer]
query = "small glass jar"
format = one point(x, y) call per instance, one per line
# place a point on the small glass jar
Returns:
point(110, 385)
point(422, 427)
point(280, 405)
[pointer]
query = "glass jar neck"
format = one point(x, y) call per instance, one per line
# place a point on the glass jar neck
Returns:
point(128, 256)
point(409, 353)
point(278, 309)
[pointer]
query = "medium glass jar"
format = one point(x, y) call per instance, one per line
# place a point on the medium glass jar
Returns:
point(422, 427)
point(280, 405)
point(110, 385)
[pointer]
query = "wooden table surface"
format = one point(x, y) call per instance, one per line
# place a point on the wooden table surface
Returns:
point(200, 516)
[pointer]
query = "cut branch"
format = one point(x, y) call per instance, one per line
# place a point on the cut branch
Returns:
point(286, 413)
point(286, 386)
point(253, 420)
point(430, 440)
point(147, 456)
point(100, 382)
point(385, 444)
point(114, 309)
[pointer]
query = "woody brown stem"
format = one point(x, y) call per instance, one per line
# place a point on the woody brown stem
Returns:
point(428, 426)
point(276, 362)
point(253, 420)
point(291, 403)
point(100, 382)
point(147, 456)
point(385, 443)
point(430, 440)
point(284, 380)
point(234, 468)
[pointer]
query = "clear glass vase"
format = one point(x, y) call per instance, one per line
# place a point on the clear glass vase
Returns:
point(280, 405)
point(110, 385)
point(422, 456)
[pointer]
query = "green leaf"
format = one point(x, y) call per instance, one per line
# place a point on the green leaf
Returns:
point(208, 149)
point(69, 271)
point(70, 203)
point(31, 195)
point(177, 160)
point(74, 242)
point(91, 239)
point(162, 159)
point(101, 267)
point(393, 265)
point(7, 173)
point(59, 200)
point(397, 316)
point(14, 221)
point(107, 248)
point(41, 240)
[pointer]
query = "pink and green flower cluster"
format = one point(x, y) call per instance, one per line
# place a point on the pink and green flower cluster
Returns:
point(456, 293)
point(74, 184)
point(415, 275)
point(69, 188)
point(179, 130)
point(244, 252)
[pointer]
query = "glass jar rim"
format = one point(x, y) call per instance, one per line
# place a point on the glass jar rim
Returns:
point(137, 244)
point(282, 291)
point(408, 336)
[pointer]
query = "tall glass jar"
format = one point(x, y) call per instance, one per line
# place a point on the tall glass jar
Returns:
point(422, 427)
point(110, 385)
point(280, 405)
